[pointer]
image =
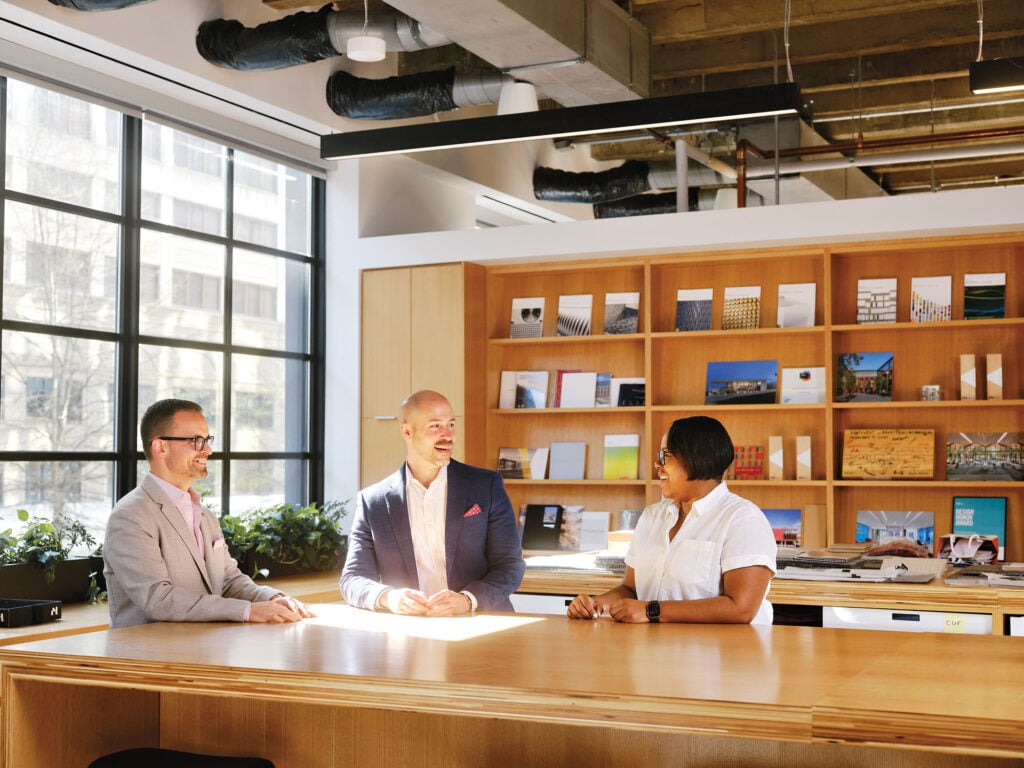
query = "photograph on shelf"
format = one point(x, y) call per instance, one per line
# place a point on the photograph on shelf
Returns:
point(741, 308)
point(527, 320)
point(796, 305)
point(985, 296)
point(747, 463)
point(981, 515)
point(622, 312)
point(693, 309)
point(884, 526)
point(574, 314)
point(876, 300)
point(567, 461)
point(785, 525)
point(931, 299)
point(522, 463)
point(802, 385)
point(741, 381)
point(621, 457)
point(985, 456)
point(875, 454)
point(863, 377)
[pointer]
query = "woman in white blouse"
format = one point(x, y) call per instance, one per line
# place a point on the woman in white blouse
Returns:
point(700, 555)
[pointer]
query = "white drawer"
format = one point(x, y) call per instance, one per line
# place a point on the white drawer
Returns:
point(907, 621)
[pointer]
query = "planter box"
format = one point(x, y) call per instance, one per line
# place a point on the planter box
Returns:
point(27, 581)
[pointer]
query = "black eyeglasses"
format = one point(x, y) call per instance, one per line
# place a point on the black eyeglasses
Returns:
point(197, 441)
point(663, 454)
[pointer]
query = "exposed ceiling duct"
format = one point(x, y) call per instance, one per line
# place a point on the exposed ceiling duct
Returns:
point(304, 37)
point(97, 5)
point(632, 178)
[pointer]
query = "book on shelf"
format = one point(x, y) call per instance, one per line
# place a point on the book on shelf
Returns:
point(741, 381)
point(982, 515)
point(622, 312)
point(626, 390)
point(874, 454)
point(527, 321)
point(523, 463)
point(603, 390)
point(559, 375)
point(747, 464)
point(574, 314)
point(567, 461)
point(621, 457)
point(864, 376)
point(542, 526)
point(882, 526)
point(796, 305)
point(523, 389)
point(584, 530)
point(983, 456)
point(741, 308)
point(876, 300)
point(693, 309)
point(802, 385)
point(931, 299)
point(579, 388)
point(785, 525)
point(985, 296)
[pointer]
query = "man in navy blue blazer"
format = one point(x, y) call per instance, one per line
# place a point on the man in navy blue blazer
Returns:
point(437, 537)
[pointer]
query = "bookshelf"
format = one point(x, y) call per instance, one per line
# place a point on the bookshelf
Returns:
point(674, 364)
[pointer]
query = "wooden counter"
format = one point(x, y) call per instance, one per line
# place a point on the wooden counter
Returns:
point(359, 688)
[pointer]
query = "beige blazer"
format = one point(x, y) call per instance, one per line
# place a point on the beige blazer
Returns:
point(154, 570)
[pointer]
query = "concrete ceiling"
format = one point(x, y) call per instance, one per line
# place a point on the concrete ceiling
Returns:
point(876, 69)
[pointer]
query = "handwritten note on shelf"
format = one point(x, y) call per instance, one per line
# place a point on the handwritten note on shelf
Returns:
point(888, 453)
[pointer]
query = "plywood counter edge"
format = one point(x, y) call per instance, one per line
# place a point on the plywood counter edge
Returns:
point(564, 707)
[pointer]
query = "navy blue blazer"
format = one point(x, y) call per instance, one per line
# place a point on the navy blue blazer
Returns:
point(482, 547)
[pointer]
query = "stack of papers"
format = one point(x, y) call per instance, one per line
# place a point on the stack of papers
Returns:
point(992, 575)
point(873, 569)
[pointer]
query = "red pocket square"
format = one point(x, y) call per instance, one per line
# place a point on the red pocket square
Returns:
point(474, 510)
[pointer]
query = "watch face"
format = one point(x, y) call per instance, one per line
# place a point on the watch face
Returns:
point(653, 609)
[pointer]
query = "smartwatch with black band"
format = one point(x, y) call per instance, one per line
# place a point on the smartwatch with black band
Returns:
point(654, 611)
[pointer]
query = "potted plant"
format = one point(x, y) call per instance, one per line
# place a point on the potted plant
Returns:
point(38, 563)
point(287, 538)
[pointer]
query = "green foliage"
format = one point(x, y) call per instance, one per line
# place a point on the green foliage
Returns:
point(307, 537)
point(43, 543)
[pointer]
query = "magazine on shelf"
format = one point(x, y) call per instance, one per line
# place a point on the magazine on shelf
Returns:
point(985, 296)
point(579, 389)
point(864, 376)
point(741, 308)
point(522, 463)
point(931, 299)
point(621, 457)
point(622, 312)
point(881, 526)
point(802, 385)
point(982, 515)
point(796, 305)
point(574, 314)
point(635, 391)
point(542, 526)
point(876, 300)
point(567, 461)
point(732, 382)
point(786, 524)
point(747, 463)
point(531, 389)
point(527, 319)
point(693, 309)
point(559, 375)
point(603, 390)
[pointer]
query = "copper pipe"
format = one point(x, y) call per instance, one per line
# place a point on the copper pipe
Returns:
point(741, 172)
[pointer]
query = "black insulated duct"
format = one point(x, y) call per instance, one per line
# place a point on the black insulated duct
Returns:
point(299, 38)
point(97, 5)
point(642, 205)
point(554, 185)
point(415, 95)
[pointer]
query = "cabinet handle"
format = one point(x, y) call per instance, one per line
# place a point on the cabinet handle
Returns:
point(384, 418)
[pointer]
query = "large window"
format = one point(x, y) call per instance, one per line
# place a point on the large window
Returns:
point(206, 293)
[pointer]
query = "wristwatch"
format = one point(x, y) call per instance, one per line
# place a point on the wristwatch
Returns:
point(654, 611)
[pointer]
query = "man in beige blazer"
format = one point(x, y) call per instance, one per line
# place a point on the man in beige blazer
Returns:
point(164, 554)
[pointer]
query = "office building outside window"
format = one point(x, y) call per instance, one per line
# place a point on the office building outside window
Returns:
point(143, 260)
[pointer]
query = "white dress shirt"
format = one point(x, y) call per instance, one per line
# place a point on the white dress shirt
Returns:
point(426, 522)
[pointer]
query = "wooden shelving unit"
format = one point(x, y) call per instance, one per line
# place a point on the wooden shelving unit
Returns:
point(674, 365)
